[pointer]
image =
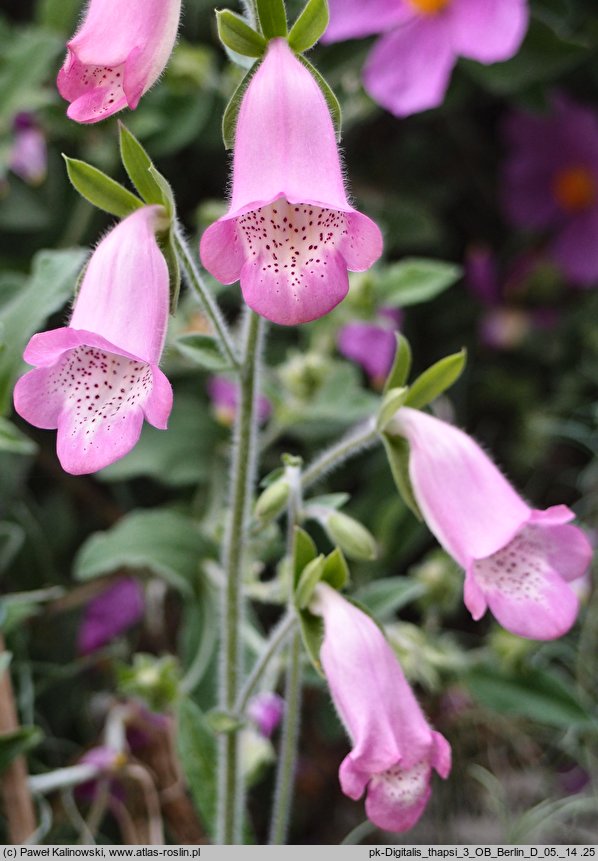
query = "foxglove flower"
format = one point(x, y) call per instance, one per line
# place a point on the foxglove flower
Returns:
point(394, 748)
point(266, 710)
point(224, 395)
point(551, 183)
point(290, 233)
point(97, 378)
point(111, 613)
point(29, 153)
point(372, 344)
point(410, 66)
point(117, 54)
point(517, 560)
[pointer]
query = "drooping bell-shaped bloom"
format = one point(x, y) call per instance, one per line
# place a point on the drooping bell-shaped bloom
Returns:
point(372, 344)
point(410, 66)
point(518, 561)
point(111, 613)
point(290, 234)
point(394, 747)
point(224, 394)
point(118, 53)
point(551, 183)
point(29, 153)
point(97, 378)
point(266, 710)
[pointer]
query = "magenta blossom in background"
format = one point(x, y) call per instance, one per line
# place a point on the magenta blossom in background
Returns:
point(117, 54)
point(290, 234)
point(394, 748)
point(517, 560)
point(372, 344)
point(224, 395)
point(113, 612)
point(29, 154)
point(266, 711)
point(409, 67)
point(551, 183)
point(97, 378)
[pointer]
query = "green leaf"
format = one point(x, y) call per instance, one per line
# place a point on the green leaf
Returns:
point(100, 190)
point(272, 17)
point(231, 112)
point(384, 597)
point(197, 754)
point(397, 451)
point(393, 400)
point(309, 579)
point(14, 744)
point(51, 284)
point(538, 695)
point(312, 632)
point(13, 440)
point(336, 570)
point(304, 551)
point(331, 100)
point(203, 350)
point(161, 541)
point(138, 164)
point(436, 380)
point(309, 26)
point(236, 34)
point(26, 60)
point(415, 280)
point(401, 368)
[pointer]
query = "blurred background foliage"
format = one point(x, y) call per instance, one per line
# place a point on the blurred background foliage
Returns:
point(522, 717)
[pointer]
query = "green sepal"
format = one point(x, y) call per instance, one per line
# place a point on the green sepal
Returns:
point(331, 100)
point(309, 579)
point(309, 26)
point(231, 112)
point(138, 164)
point(272, 17)
point(312, 633)
point(304, 551)
point(168, 249)
point(203, 350)
point(397, 451)
point(350, 536)
point(401, 367)
point(166, 191)
point(336, 571)
point(436, 380)
point(223, 723)
point(100, 190)
point(236, 34)
point(393, 400)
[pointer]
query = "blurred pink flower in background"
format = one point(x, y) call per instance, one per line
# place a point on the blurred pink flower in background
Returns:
point(372, 344)
point(117, 54)
point(224, 395)
point(551, 183)
point(394, 747)
point(266, 710)
point(290, 234)
point(28, 157)
point(518, 561)
point(97, 378)
point(409, 67)
point(111, 613)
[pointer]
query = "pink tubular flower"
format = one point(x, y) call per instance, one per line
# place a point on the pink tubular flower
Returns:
point(372, 345)
point(517, 560)
point(551, 183)
point(117, 54)
point(96, 378)
point(114, 611)
point(394, 748)
point(290, 233)
point(410, 66)
point(29, 154)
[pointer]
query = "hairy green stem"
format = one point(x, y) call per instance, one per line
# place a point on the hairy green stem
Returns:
point(277, 638)
point(209, 305)
point(243, 467)
point(359, 439)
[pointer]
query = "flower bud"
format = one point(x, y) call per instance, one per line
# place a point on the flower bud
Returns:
point(273, 500)
point(352, 537)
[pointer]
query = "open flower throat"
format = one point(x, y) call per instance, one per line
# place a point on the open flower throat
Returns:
point(429, 7)
point(575, 188)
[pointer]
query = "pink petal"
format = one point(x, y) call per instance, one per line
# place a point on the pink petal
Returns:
point(373, 347)
point(109, 614)
point(397, 798)
point(353, 19)
point(487, 30)
point(32, 402)
point(221, 251)
point(467, 502)
point(409, 69)
point(575, 249)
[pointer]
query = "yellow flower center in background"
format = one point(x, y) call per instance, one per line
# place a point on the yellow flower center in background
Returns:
point(429, 7)
point(575, 188)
